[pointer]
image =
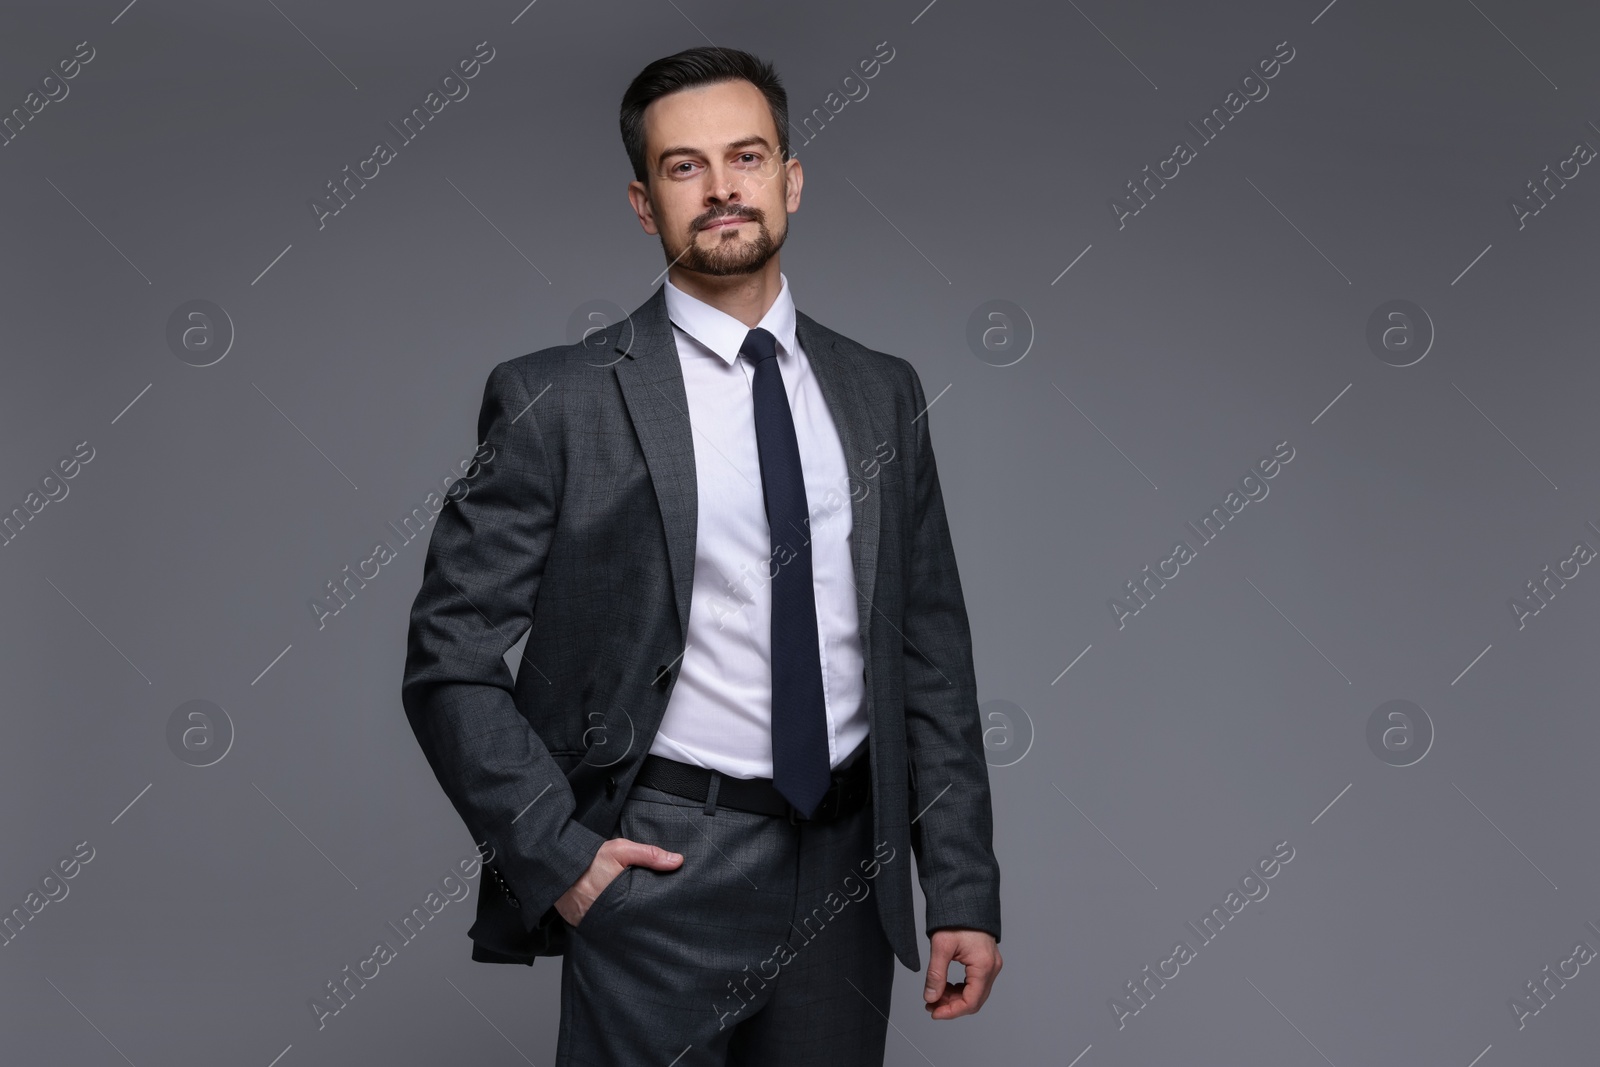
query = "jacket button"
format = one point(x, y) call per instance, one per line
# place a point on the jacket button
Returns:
point(663, 677)
point(611, 786)
point(510, 896)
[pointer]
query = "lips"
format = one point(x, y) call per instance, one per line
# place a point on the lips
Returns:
point(726, 220)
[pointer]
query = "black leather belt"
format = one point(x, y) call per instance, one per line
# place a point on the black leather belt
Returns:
point(849, 792)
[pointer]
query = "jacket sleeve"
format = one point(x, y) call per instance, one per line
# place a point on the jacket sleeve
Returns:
point(953, 825)
point(480, 580)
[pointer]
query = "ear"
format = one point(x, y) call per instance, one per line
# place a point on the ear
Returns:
point(639, 200)
point(794, 178)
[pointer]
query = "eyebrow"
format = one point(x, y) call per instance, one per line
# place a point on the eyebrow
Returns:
point(689, 150)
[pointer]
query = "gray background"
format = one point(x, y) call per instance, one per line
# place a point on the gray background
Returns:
point(1224, 318)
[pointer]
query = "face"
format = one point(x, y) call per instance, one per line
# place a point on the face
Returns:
point(718, 195)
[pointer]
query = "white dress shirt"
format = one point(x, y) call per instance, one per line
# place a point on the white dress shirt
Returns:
point(720, 712)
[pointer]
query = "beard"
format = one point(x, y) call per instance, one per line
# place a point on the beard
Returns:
point(727, 256)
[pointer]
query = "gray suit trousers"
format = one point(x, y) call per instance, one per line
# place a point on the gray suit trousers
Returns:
point(763, 947)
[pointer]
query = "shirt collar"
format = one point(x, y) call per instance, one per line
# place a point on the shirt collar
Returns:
point(721, 332)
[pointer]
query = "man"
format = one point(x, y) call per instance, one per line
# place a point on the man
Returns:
point(747, 694)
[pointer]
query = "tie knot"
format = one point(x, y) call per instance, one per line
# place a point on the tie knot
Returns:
point(759, 345)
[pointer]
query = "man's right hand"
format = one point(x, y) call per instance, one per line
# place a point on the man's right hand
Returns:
point(615, 854)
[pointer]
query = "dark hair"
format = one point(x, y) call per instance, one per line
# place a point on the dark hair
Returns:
point(698, 66)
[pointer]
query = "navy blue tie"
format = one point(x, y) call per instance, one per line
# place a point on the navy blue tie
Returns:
point(800, 768)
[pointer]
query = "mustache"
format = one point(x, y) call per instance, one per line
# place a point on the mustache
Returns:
point(738, 213)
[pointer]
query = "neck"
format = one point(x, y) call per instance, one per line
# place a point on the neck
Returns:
point(745, 297)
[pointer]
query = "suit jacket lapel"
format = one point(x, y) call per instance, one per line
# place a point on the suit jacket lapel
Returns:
point(651, 379)
point(832, 363)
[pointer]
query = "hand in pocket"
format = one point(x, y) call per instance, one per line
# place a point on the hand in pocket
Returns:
point(608, 863)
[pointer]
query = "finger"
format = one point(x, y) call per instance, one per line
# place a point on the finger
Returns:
point(969, 995)
point(938, 967)
point(974, 991)
point(980, 979)
point(639, 854)
point(969, 1000)
point(951, 1003)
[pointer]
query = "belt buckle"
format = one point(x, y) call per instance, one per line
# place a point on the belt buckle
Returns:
point(827, 810)
point(832, 801)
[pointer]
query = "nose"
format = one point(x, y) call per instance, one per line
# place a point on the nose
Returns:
point(727, 184)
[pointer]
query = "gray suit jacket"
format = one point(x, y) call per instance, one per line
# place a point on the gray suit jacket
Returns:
point(582, 526)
